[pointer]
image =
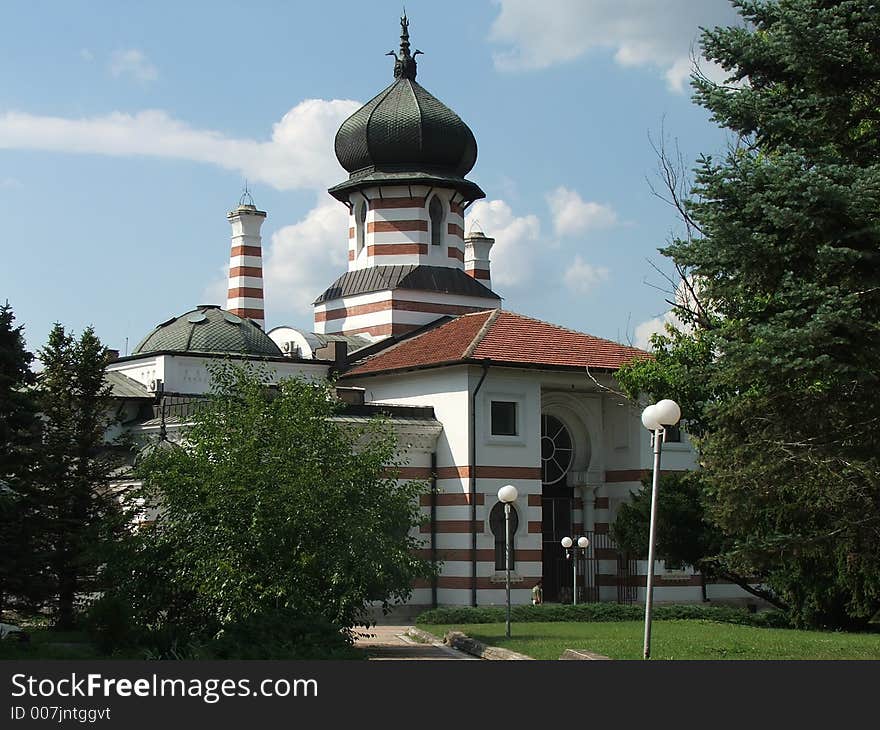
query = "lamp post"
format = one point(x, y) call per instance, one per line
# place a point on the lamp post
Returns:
point(570, 552)
point(507, 494)
point(655, 418)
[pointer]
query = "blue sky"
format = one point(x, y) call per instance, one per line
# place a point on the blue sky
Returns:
point(128, 129)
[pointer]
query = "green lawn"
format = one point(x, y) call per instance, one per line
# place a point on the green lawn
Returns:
point(684, 639)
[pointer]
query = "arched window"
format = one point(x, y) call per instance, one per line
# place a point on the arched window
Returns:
point(556, 449)
point(435, 213)
point(496, 525)
point(361, 224)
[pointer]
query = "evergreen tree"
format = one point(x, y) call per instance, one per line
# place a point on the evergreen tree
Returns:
point(17, 437)
point(78, 513)
point(785, 388)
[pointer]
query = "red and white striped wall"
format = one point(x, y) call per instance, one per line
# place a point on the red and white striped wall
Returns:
point(245, 292)
point(453, 535)
point(392, 312)
point(391, 226)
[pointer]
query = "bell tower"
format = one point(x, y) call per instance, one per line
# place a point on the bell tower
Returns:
point(407, 155)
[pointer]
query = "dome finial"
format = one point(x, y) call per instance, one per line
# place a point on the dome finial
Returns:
point(246, 200)
point(404, 64)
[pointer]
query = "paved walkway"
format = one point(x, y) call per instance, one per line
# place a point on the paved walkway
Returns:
point(391, 642)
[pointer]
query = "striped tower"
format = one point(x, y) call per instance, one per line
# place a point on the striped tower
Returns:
point(245, 295)
point(407, 155)
point(476, 256)
point(409, 238)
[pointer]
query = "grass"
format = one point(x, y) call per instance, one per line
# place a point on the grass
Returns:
point(680, 639)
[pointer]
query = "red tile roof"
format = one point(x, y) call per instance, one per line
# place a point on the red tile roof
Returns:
point(503, 337)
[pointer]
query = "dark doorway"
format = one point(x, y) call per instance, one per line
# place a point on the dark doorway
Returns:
point(556, 504)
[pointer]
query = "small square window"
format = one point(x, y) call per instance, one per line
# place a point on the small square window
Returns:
point(503, 418)
point(673, 434)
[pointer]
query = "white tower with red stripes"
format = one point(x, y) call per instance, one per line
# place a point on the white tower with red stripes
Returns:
point(476, 255)
point(407, 155)
point(245, 292)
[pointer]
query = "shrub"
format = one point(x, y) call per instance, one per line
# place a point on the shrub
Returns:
point(279, 634)
point(554, 612)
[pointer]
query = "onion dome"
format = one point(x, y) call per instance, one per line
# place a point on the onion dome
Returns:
point(406, 135)
point(209, 330)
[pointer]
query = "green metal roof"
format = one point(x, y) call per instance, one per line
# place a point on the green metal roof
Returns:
point(405, 124)
point(406, 135)
point(209, 329)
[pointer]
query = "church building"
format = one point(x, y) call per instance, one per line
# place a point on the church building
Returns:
point(479, 396)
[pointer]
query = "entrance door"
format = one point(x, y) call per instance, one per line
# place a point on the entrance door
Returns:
point(556, 501)
point(556, 504)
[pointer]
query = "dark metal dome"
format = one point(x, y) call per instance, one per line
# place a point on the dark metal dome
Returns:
point(405, 127)
point(406, 135)
point(210, 330)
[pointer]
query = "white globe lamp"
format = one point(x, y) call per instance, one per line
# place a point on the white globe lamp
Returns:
point(507, 494)
point(667, 412)
point(650, 419)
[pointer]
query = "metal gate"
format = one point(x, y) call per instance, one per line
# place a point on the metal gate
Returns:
point(603, 549)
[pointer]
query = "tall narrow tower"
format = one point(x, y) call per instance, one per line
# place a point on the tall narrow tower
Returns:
point(407, 155)
point(245, 294)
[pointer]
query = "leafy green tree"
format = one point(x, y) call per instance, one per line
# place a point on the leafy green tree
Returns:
point(785, 385)
point(270, 506)
point(17, 441)
point(78, 515)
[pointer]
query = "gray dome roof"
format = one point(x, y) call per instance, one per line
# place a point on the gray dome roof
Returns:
point(405, 127)
point(406, 135)
point(208, 329)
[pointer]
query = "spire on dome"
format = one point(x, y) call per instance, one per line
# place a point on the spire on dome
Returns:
point(404, 64)
point(246, 200)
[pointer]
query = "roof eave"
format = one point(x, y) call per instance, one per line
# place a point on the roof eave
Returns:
point(223, 355)
point(482, 361)
point(370, 178)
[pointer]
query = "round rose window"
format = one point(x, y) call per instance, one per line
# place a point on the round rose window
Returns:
point(556, 449)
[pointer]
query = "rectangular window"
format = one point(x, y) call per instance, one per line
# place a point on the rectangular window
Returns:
point(503, 418)
point(673, 434)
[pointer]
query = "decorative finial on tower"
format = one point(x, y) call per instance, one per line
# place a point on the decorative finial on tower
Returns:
point(246, 199)
point(405, 63)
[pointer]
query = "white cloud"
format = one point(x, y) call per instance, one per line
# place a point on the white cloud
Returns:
point(305, 257)
point(573, 215)
point(514, 251)
point(132, 62)
point(298, 155)
point(657, 325)
point(583, 278)
point(658, 35)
